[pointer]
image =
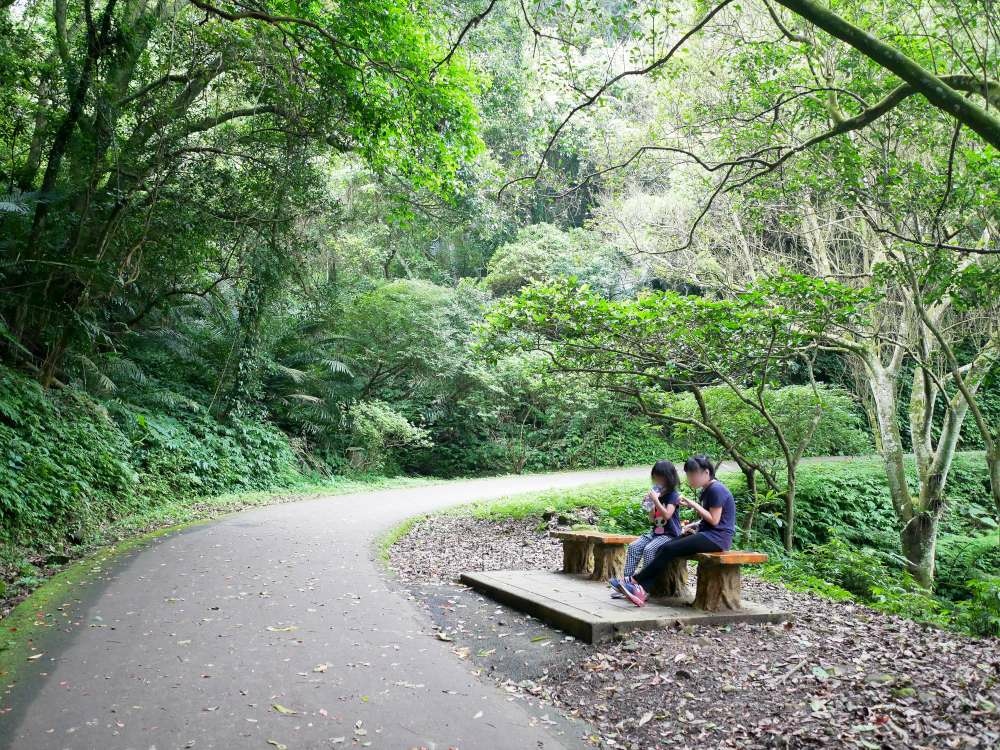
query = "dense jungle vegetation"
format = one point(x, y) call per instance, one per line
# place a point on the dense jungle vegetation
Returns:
point(251, 245)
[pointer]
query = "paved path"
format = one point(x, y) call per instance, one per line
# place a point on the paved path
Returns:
point(191, 642)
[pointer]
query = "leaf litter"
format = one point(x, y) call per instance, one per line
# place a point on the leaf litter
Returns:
point(838, 675)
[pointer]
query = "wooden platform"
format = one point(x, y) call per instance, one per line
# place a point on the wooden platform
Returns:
point(585, 609)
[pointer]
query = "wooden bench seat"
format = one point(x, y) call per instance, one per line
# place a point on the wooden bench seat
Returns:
point(601, 556)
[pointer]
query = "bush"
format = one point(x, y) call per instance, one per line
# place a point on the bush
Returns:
point(64, 463)
point(963, 558)
point(841, 571)
point(981, 613)
point(381, 432)
point(850, 500)
point(70, 463)
point(841, 431)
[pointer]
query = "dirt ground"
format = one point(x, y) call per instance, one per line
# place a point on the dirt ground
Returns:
point(839, 675)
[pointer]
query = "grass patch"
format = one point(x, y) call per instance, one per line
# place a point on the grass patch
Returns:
point(536, 503)
point(385, 542)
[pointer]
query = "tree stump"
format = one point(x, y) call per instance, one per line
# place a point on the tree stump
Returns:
point(609, 561)
point(718, 587)
point(577, 555)
point(672, 582)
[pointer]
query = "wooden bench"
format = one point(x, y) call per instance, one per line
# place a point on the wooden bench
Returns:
point(601, 556)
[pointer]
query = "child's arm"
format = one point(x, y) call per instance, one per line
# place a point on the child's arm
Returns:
point(667, 511)
point(711, 516)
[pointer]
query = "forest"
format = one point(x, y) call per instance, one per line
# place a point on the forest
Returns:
point(259, 245)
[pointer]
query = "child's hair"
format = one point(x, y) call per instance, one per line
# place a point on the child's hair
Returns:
point(700, 462)
point(666, 471)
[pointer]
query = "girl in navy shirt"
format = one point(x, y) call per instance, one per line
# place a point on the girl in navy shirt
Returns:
point(713, 532)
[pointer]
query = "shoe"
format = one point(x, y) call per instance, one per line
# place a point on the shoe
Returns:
point(618, 587)
point(635, 593)
point(617, 595)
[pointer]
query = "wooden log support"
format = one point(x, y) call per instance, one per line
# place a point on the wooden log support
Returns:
point(720, 579)
point(673, 582)
point(718, 587)
point(609, 560)
point(578, 555)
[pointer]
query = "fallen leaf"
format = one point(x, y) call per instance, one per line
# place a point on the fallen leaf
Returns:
point(283, 710)
point(321, 667)
point(277, 744)
point(36, 656)
point(646, 718)
point(286, 629)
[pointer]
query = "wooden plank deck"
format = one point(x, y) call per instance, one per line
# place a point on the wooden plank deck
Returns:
point(585, 609)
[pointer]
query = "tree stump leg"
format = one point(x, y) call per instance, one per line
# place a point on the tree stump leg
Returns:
point(672, 582)
point(609, 561)
point(577, 557)
point(718, 587)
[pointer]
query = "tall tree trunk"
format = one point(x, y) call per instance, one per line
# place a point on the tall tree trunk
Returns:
point(883, 392)
point(919, 542)
point(751, 476)
point(993, 464)
point(788, 533)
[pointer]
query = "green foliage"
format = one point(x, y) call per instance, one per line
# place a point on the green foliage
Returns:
point(980, 614)
point(65, 465)
point(962, 558)
point(72, 464)
point(543, 252)
point(381, 432)
point(840, 432)
point(850, 500)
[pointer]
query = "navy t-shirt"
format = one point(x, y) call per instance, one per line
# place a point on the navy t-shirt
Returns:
point(672, 527)
point(713, 496)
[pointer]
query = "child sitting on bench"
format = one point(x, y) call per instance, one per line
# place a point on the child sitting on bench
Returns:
point(661, 502)
point(714, 533)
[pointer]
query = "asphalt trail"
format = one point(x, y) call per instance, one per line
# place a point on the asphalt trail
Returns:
point(272, 627)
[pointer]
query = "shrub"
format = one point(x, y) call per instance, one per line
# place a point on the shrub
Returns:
point(963, 558)
point(981, 613)
point(70, 463)
point(381, 433)
point(841, 431)
point(64, 464)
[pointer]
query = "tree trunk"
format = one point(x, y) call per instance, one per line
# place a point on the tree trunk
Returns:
point(609, 561)
point(884, 395)
point(751, 477)
point(577, 555)
point(993, 464)
point(788, 533)
point(919, 542)
point(673, 581)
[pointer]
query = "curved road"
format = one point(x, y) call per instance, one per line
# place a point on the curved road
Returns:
point(214, 636)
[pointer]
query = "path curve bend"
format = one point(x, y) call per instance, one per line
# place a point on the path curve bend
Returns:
point(198, 639)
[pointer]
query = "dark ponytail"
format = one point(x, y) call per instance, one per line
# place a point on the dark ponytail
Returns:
point(666, 471)
point(700, 462)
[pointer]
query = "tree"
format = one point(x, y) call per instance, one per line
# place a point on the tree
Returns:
point(664, 341)
point(946, 55)
point(161, 146)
